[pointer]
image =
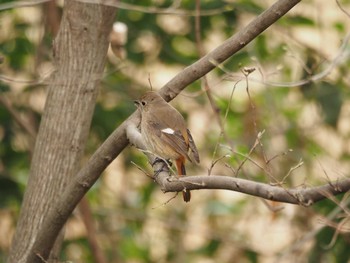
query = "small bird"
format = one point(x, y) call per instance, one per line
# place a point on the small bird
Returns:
point(165, 133)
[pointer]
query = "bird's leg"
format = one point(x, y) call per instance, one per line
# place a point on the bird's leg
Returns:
point(163, 168)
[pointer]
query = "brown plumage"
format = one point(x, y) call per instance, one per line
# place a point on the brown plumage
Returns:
point(165, 133)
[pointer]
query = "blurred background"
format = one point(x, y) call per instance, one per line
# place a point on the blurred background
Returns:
point(303, 128)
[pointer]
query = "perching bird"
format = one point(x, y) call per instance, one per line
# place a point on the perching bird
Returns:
point(165, 133)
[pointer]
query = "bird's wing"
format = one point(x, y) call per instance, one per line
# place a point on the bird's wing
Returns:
point(172, 137)
point(193, 148)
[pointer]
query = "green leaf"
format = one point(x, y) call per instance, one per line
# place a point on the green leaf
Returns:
point(299, 20)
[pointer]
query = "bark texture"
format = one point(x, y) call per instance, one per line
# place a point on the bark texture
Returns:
point(79, 51)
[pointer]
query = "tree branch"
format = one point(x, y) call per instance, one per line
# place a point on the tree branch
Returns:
point(64, 126)
point(117, 141)
point(226, 49)
point(298, 196)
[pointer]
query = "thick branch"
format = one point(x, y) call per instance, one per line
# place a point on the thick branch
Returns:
point(117, 141)
point(80, 52)
point(299, 196)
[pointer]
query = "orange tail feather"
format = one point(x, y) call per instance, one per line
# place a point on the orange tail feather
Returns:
point(180, 166)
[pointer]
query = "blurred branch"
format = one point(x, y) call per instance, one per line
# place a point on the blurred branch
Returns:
point(341, 57)
point(172, 10)
point(52, 17)
point(86, 214)
point(342, 9)
point(15, 114)
point(308, 237)
point(17, 4)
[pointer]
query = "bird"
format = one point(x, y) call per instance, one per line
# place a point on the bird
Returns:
point(165, 133)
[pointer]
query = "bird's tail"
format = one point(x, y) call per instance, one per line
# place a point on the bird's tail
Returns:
point(180, 165)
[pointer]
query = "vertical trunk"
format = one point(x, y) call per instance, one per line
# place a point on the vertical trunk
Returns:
point(79, 50)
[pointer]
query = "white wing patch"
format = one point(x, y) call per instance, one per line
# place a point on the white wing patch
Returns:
point(168, 131)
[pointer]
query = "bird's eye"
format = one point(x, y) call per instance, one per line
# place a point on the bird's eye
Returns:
point(143, 103)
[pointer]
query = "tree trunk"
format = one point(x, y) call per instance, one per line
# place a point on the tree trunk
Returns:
point(79, 50)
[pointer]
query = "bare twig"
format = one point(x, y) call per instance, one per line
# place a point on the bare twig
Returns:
point(142, 170)
point(88, 219)
point(222, 128)
point(249, 158)
point(18, 4)
point(250, 151)
point(246, 73)
point(278, 155)
point(167, 201)
point(174, 10)
point(292, 169)
point(41, 81)
point(338, 226)
point(149, 81)
point(342, 8)
point(215, 161)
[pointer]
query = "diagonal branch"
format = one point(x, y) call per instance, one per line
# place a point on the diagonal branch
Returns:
point(117, 141)
point(227, 48)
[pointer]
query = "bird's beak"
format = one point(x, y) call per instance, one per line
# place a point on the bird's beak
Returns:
point(137, 103)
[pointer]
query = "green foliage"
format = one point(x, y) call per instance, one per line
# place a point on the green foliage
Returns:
point(329, 97)
point(299, 20)
point(10, 192)
point(210, 248)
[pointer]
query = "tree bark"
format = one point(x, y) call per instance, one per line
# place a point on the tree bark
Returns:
point(80, 50)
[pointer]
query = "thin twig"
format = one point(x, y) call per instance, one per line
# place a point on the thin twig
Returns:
point(149, 81)
point(279, 155)
point(292, 169)
point(246, 73)
point(250, 151)
point(86, 214)
point(167, 201)
point(142, 170)
point(214, 162)
point(342, 8)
